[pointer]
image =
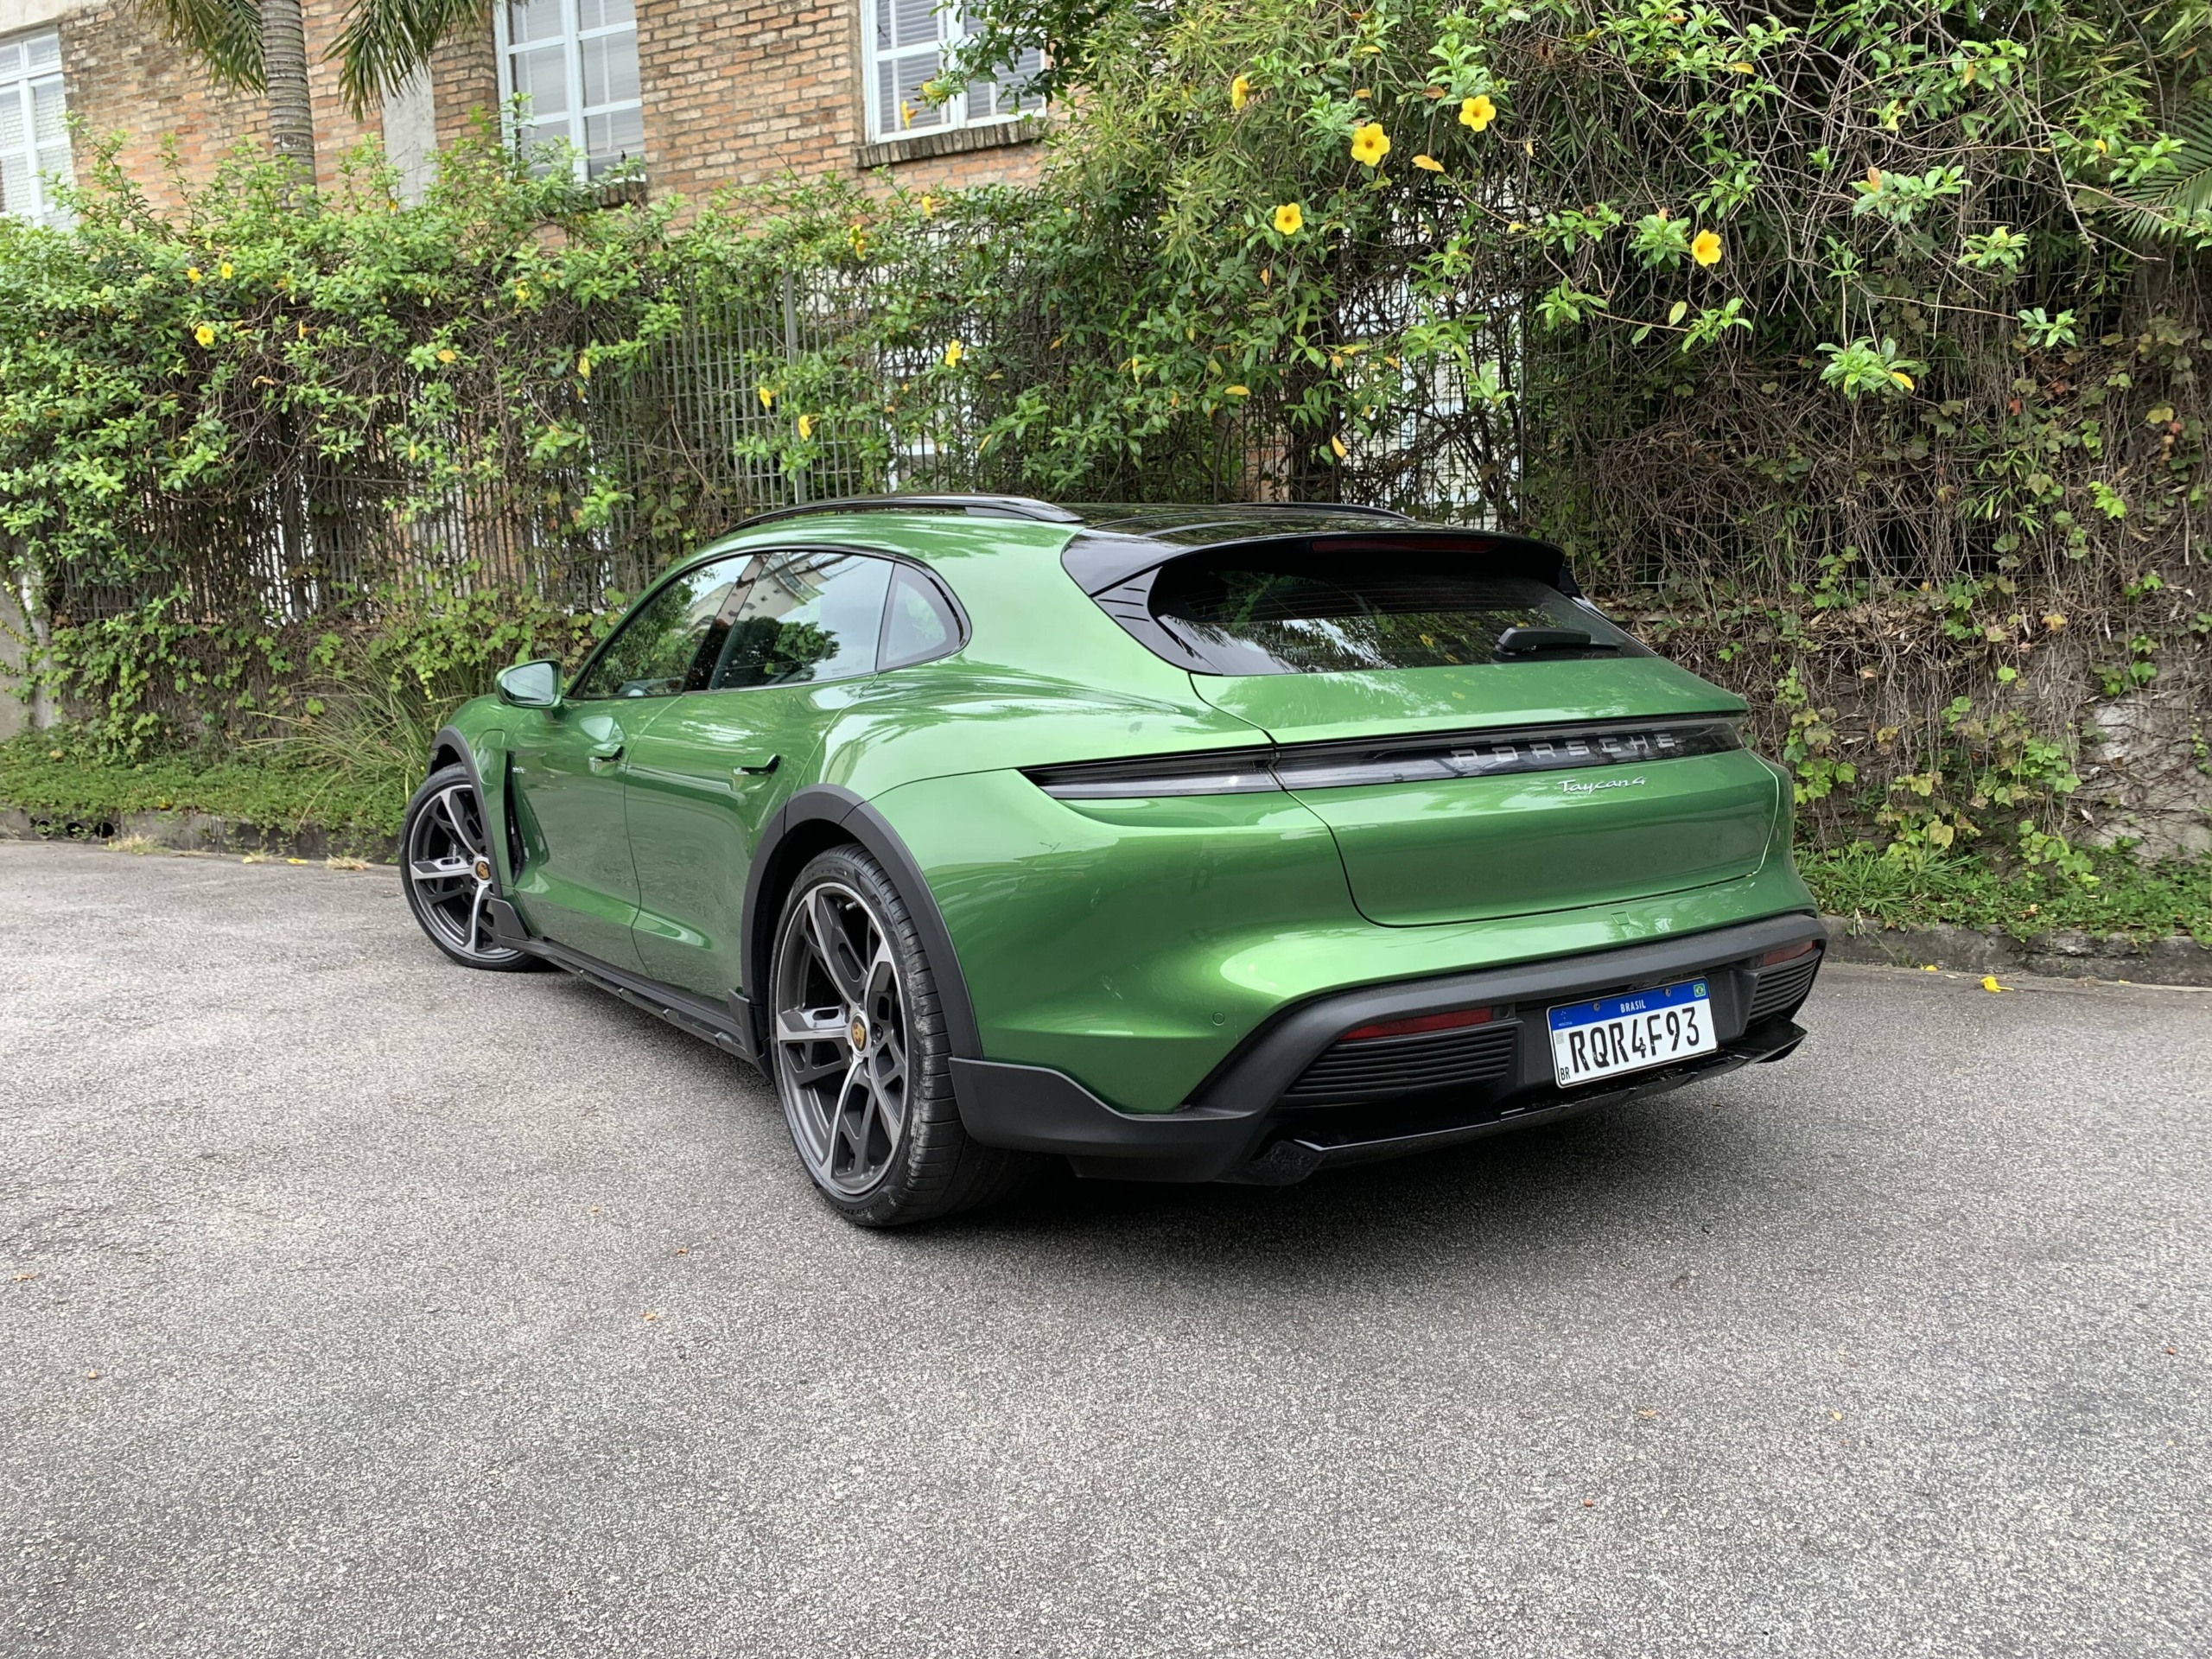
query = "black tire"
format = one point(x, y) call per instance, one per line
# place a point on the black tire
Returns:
point(447, 871)
point(848, 1040)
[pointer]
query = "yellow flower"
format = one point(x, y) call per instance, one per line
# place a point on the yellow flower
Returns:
point(767, 398)
point(223, 270)
point(1337, 445)
point(805, 427)
point(1428, 164)
point(1476, 112)
point(1240, 92)
point(447, 355)
point(192, 275)
point(954, 350)
point(522, 291)
point(1370, 144)
point(205, 334)
point(1705, 247)
point(906, 115)
point(1989, 984)
point(1290, 218)
point(928, 205)
point(584, 365)
point(303, 331)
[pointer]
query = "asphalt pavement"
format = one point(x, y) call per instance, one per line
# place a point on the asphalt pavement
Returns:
point(354, 1303)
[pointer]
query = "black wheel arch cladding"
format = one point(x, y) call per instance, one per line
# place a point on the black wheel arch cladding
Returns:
point(814, 818)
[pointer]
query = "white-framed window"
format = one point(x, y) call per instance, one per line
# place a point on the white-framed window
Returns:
point(907, 43)
point(34, 128)
point(575, 63)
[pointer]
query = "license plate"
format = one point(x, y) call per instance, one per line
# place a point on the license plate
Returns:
point(1627, 1033)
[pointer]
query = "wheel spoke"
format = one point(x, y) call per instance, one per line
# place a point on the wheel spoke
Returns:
point(881, 982)
point(476, 915)
point(887, 1087)
point(452, 815)
point(442, 870)
point(855, 1134)
point(831, 947)
point(805, 1031)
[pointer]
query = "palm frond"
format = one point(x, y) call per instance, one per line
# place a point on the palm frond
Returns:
point(385, 41)
point(2190, 187)
point(2183, 187)
point(224, 34)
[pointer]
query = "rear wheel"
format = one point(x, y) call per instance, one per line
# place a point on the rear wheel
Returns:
point(861, 1060)
point(446, 864)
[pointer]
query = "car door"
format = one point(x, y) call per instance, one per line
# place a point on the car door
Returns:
point(577, 885)
point(800, 637)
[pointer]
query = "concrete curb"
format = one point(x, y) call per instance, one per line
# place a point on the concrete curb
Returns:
point(201, 832)
point(2177, 961)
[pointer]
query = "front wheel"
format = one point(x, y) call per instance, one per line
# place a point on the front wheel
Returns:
point(861, 1059)
point(446, 864)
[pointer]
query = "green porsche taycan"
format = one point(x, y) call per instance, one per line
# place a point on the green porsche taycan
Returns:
point(1182, 843)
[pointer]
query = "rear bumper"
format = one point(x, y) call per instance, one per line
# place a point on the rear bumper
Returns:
point(1262, 1117)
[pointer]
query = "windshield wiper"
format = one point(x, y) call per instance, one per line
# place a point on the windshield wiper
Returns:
point(1526, 642)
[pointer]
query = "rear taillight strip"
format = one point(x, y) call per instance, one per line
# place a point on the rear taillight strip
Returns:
point(1398, 760)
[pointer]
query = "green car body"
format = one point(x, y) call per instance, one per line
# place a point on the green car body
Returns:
point(1111, 955)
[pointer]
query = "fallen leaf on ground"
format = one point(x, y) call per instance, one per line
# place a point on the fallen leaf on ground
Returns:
point(653, 1313)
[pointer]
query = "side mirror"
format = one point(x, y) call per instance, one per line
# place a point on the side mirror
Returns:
point(530, 685)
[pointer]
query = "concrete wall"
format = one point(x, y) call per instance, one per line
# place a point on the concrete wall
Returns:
point(14, 637)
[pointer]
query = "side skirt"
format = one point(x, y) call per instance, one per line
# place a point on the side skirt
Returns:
point(729, 1029)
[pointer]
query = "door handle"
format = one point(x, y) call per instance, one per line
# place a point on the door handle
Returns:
point(760, 769)
point(604, 755)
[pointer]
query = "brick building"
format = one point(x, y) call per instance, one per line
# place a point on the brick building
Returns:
point(695, 94)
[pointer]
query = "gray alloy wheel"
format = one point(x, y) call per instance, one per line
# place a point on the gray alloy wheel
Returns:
point(446, 863)
point(841, 1039)
point(861, 1058)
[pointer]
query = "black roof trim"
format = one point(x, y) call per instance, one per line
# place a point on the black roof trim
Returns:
point(978, 506)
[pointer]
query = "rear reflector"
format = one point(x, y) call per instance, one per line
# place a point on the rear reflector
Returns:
point(1788, 952)
point(1451, 1021)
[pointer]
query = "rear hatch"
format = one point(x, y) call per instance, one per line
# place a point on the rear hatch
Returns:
point(1482, 742)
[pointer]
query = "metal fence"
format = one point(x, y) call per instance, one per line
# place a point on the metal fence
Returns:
point(688, 449)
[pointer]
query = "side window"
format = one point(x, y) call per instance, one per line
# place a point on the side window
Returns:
point(804, 617)
point(918, 623)
point(668, 644)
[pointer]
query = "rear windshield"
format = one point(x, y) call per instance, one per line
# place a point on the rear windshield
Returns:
point(1325, 613)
